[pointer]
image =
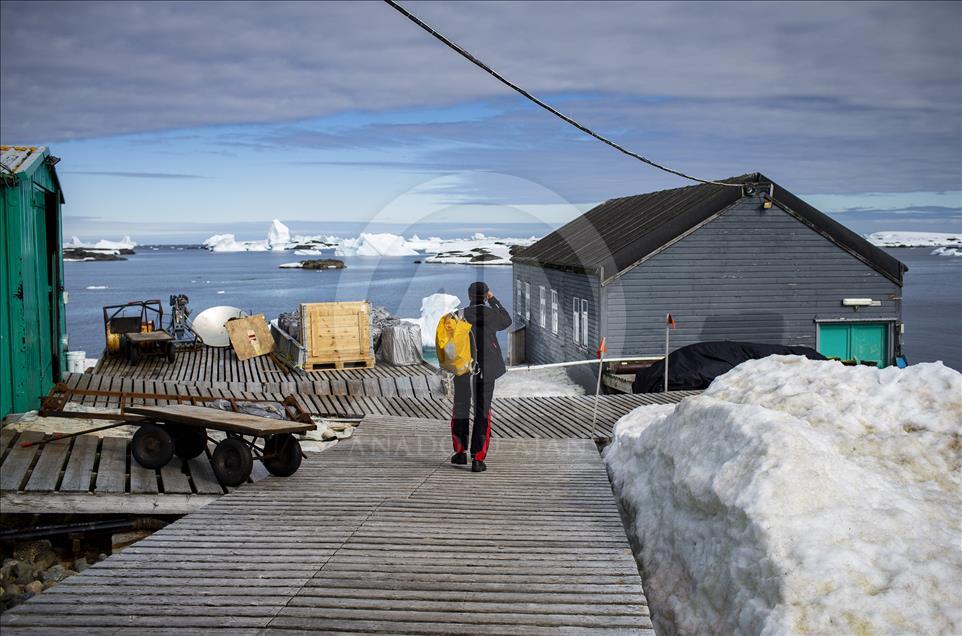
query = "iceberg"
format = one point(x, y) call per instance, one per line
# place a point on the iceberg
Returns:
point(433, 307)
point(799, 495)
point(375, 245)
point(227, 243)
point(278, 236)
point(915, 239)
point(102, 245)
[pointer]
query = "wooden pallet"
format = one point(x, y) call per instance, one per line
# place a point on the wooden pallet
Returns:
point(339, 365)
point(405, 543)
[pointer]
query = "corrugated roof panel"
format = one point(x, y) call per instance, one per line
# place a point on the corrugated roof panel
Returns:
point(19, 158)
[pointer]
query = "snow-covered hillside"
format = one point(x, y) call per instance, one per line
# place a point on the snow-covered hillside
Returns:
point(800, 496)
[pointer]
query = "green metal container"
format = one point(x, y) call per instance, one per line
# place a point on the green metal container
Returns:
point(33, 326)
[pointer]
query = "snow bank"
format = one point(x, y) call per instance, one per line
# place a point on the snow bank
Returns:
point(375, 245)
point(914, 239)
point(800, 496)
point(536, 383)
point(432, 308)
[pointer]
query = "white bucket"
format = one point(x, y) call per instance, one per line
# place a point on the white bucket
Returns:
point(75, 361)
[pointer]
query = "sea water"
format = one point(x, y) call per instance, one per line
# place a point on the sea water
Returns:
point(932, 305)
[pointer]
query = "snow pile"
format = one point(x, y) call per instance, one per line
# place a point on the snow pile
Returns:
point(375, 245)
point(536, 383)
point(914, 239)
point(800, 496)
point(278, 236)
point(432, 308)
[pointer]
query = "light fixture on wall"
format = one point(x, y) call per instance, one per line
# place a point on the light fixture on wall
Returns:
point(861, 302)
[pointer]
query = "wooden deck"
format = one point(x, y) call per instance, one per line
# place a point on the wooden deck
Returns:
point(216, 364)
point(380, 534)
point(554, 417)
point(92, 475)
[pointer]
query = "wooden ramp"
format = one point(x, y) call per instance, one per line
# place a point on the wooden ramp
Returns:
point(380, 534)
point(534, 417)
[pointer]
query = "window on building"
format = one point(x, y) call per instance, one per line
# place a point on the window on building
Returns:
point(554, 312)
point(584, 321)
point(519, 300)
point(527, 302)
point(576, 319)
point(542, 301)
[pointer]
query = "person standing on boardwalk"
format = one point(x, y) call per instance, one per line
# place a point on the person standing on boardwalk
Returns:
point(487, 317)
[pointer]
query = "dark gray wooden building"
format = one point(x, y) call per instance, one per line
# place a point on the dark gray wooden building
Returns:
point(752, 263)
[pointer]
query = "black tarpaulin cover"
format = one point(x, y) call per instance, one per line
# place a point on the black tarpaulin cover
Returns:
point(695, 366)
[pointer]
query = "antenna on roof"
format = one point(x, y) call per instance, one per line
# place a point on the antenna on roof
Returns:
point(493, 73)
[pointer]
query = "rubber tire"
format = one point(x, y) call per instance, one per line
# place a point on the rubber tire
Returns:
point(286, 455)
point(152, 446)
point(189, 441)
point(232, 462)
point(171, 350)
point(133, 353)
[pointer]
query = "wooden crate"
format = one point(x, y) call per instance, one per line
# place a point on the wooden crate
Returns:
point(336, 335)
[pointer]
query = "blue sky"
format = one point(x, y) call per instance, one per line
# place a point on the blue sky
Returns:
point(175, 121)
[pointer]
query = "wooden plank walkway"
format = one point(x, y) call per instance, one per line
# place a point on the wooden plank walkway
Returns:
point(93, 475)
point(380, 534)
point(554, 417)
point(215, 364)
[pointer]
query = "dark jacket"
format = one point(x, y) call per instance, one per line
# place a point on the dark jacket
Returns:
point(487, 321)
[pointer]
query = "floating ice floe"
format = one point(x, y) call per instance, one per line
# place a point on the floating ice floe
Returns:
point(915, 239)
point(947, 251)
point(799, 495)
point(96, 287)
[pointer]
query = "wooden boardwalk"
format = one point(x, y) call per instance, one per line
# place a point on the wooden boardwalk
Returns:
point(380, 534)
point(547, 417)
point(88, 474)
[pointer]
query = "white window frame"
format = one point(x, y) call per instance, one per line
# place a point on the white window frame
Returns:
point(554, 311)
point(584, 322)
point(576, 319)
point(527, 301)
point(518, 306)
point(542, 305)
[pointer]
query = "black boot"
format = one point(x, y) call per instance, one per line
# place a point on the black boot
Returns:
point(459, 458)
point(477, 466)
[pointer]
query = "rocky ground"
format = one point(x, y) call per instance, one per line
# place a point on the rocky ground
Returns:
point(30, 567)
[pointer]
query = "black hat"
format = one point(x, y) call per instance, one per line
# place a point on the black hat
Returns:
point(477, 291)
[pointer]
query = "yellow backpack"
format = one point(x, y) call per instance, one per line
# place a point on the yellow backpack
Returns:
point(453, 341)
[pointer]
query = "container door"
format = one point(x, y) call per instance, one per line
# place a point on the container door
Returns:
point(859, 341)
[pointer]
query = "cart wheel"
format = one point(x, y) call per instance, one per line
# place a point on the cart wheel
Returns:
point(152, 446)
point(133, 352)
point(171, 352)
point(232, 462)
point(189, 441)
point(282, 455)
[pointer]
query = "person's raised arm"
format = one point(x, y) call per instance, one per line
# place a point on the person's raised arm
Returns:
point(503, 320)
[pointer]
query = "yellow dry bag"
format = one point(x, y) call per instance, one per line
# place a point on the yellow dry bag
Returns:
point(453, 342)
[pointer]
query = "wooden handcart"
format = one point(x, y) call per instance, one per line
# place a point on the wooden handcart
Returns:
point(182, 430)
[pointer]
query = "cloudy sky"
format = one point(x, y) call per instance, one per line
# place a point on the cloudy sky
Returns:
point(176, 120)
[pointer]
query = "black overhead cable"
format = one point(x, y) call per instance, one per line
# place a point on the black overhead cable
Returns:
point(493, 73)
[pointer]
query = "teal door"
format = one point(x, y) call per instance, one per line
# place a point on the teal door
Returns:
point(859, 341)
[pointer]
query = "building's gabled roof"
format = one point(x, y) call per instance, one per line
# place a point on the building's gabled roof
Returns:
point(614, 236)
point(20, 159)
point(24, 160)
